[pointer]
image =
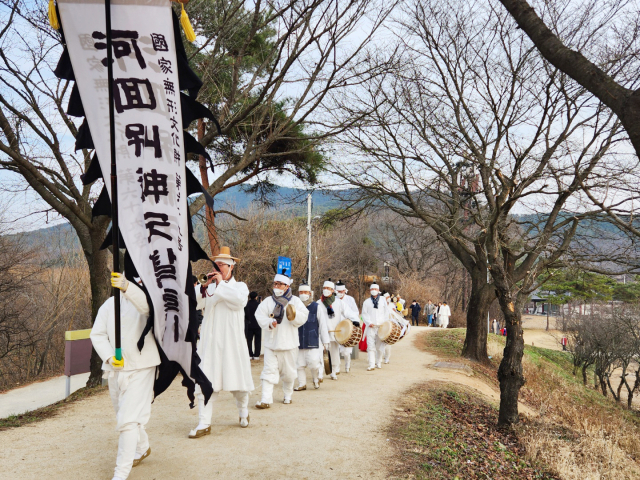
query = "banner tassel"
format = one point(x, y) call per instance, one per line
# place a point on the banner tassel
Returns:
point(186, 25)
point(53, 16)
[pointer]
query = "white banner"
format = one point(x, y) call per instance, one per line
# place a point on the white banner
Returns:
point(152, 201)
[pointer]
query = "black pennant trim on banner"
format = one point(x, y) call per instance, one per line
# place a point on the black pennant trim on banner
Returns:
point(102, 205)
point(108, 241)
point(191, 145)
point(93, 173)
point(192, 110)
point(188, 79)
point(194, 186)
point(75, 108)
point(83, 138)
point(64, 70)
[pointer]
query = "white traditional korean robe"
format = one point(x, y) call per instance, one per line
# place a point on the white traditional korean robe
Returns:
point(341, 312)
point(444, 312)
point(131, 388)
point(280, 347)
point(223, 347)
point(351, 304)
point(373, 318)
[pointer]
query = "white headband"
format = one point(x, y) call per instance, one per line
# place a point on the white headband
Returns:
point(329, 284)
point(374, 285)
point(226, 261)
point(304, 287)
point(282, 279)
point(341, 288)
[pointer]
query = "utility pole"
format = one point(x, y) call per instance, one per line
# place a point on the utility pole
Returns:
point(488, 311)
point(309, 239)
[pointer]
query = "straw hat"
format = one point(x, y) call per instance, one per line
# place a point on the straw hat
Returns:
point(225, 254)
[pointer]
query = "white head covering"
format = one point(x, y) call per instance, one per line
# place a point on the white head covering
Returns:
point(374, 285)
point(329, 284)
point(387, 295)
point(304, 287)
point(226, 261)
point(282, 279)
point(341, 287)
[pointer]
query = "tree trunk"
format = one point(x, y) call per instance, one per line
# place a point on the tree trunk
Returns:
point(100, 264)
point(584, 375)
point(210, 222)
point(480, 299)
point(510, 374)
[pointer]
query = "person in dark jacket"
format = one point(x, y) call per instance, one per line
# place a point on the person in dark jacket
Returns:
point(312, 336)
point(415, 311)
point(252, 330)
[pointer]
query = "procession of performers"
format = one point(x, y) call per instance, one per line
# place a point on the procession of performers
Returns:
point(296, 333)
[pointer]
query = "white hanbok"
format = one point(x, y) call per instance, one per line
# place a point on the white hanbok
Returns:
point(346, 352)
point(223, 347)
point(341, 312)
point(311, 358)
point(280, 347)
point(444, 312)
point(373, 318)
point(131, 388)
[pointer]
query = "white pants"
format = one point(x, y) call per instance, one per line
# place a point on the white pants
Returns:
point(334, 351)
point(278, 364)
point(444, 322)
point(311, 358)
point(346, 351)
point(205, 412)
point(375, 347)
point(131, 394)
point(387, 353)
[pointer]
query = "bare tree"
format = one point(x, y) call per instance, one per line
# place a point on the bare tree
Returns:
point(586, 28)
point(471, 127)
point(597, 44)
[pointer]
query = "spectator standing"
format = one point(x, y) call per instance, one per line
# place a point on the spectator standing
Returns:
point(252, 330)
point(495, 327)
point(415, 311)
point(430, 311)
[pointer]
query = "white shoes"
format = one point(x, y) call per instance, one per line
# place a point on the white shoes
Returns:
point(346, 369)
point(200, 431)
point(333, 376)
point(378, 366)
point(370, 368)
point(386, 361)
point(287, 401)
point(316, 384)
point(244, 421)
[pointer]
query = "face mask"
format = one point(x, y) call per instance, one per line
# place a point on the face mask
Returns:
point(278, 292)
point(374, 293)
point(327, 293)
point(304, 297)
point(341, 295)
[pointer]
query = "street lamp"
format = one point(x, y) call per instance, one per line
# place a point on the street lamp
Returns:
point(309, 220)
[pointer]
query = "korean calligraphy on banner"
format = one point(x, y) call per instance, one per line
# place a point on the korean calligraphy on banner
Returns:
point(152, 196)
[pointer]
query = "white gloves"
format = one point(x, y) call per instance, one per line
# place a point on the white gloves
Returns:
point(118, 281)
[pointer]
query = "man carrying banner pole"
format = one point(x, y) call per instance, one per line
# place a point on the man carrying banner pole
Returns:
point(131, 377)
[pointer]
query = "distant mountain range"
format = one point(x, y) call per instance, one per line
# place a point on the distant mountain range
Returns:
point(234, 199)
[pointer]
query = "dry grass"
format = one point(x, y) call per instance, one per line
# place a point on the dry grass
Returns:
point(578, 433)
point(447, 431)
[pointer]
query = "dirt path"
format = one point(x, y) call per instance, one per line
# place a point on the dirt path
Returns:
point(322, 434)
